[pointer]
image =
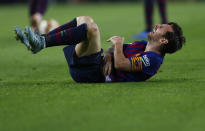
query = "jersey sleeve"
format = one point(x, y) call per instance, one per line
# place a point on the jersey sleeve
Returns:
point(136, 63)
point(146, 63)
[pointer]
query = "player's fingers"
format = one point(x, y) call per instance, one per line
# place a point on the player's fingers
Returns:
point(108, 40)
point(111, 38)
point(106, 71)
point(109, 69)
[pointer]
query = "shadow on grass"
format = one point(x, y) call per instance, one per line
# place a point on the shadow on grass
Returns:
point(171, 80)
point(37, 83)
point(58, 84)
point(71, 83)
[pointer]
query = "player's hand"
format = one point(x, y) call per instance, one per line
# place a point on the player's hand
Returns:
point(107, 64)
point(116, 40)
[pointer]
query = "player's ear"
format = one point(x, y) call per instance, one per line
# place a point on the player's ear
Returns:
point(163, 41)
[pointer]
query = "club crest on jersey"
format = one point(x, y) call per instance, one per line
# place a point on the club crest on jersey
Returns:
point(145, 60)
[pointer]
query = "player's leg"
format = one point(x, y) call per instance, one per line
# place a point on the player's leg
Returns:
point(86, 35)
point(65, 26)
point(84, 41)
point(36, 42)
point(92, 44)
point(148, 9)
point(82, 48)
point(162, 10)
point(66, 37)
point(84, 59)
point(86, 31)
point(36, 10)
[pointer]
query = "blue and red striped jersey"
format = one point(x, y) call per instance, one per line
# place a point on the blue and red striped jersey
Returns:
point(143, 64)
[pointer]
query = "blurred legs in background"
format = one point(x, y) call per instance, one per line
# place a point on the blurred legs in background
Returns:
point(37, 9)
point(149, 9)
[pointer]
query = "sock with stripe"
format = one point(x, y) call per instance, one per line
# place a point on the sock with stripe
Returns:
point(66, 26)
point(67, 37)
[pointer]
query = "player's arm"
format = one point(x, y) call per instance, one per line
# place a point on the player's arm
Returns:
point(120, 61)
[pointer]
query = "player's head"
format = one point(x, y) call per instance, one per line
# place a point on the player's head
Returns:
point(169, 36)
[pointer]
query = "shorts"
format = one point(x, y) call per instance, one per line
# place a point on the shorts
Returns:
point(86, 69)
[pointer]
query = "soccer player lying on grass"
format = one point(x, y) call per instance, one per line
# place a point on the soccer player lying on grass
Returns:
point(137, 61)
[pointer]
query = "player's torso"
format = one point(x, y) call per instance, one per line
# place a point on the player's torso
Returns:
point(135, 49)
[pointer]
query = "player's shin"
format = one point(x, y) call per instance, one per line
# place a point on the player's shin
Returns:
point(66, 26)
point(67, 37)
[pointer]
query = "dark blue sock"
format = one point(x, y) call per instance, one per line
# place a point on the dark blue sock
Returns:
point(67, 37)
point(66, 26)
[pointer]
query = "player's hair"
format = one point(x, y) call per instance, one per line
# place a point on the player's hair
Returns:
point(175, 39)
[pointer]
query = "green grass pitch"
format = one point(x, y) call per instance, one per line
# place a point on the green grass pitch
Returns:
point(38, 94)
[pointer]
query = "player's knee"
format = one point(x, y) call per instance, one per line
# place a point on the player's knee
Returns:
point(84, 19)
point(91, 25)
point(88, 19)
point(92, 28)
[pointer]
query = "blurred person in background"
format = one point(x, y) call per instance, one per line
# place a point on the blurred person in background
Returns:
point(37, 9)
point(149, 9)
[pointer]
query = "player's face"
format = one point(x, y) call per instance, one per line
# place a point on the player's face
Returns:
point(159, 31)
